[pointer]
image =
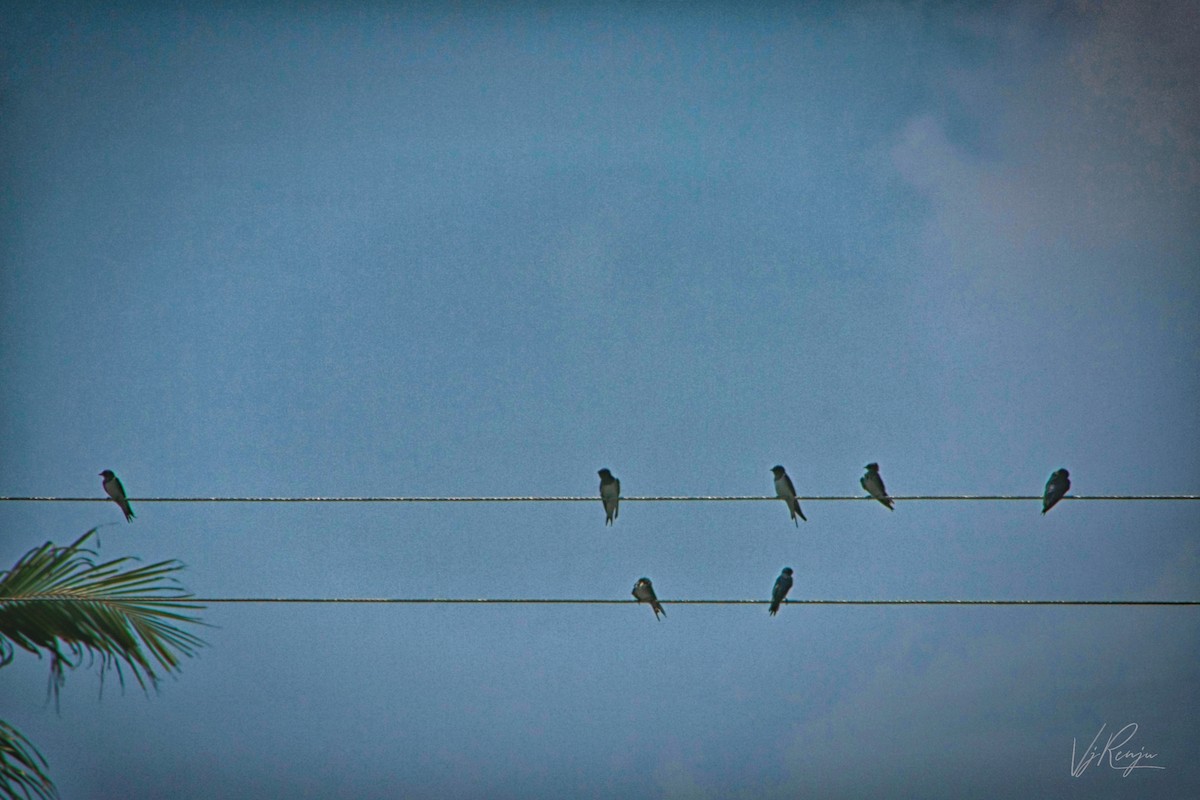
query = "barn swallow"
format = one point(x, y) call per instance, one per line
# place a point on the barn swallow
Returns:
point(874, 485)
point(783, 585)
point(112, 485)
point(1058, 485)
point(610, 495)
point(643, 590)
point(787, 492)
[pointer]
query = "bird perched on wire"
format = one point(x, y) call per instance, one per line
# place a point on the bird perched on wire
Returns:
point(787, 492)
point(783, 585)
point(1056, 488)
point(874, 485)
point(643, 590)
point(112, 485)
point(610, 495)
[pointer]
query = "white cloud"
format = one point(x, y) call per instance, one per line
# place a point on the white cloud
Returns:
point(1061, 177)
point(1093, 142)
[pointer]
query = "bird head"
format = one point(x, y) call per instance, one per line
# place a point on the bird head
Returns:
point(778, 470)
point(787, 570)
point(872, 467)
point(108, 473)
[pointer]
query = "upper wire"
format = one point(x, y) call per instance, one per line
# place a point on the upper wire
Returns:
point(586, 499)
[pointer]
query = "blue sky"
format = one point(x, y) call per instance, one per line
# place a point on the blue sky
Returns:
point(388, 249)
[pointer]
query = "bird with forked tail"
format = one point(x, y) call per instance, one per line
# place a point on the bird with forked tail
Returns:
point(874, 486)
point(112, 485)
point(783, 585)
point(643, 590)
point(787, 492)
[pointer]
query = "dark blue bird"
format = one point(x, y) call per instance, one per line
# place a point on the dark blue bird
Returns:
point(874, 486)
point(787, 492)
point(610, 495)
point(783, 585)
point(643, 590)
point(1058, 485)
point(112, 485)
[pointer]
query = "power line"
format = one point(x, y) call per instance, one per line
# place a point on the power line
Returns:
point(594, 601)
point(575, 499)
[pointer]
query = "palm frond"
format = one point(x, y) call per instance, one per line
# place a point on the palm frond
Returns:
point(58, 600)
point(22, 768)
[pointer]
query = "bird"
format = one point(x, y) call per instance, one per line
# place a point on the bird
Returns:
point(643, 590)
point(783, 585)
point(874, 485)
point(1058, 485)
point(787, 492)
point(610, 495)
point(112, 485)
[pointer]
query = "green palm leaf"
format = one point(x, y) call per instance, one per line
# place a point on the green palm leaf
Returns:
point(58, 600)
point(22, 768)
